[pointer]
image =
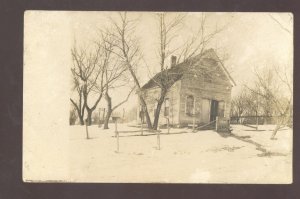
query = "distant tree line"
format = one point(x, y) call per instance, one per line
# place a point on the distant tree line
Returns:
point(270, 96)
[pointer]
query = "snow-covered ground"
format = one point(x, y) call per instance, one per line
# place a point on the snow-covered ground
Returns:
point(248, 156)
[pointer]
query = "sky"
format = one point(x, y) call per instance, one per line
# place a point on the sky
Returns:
point(250, 41)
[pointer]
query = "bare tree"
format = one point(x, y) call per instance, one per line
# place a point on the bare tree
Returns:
point(114, 72)
point(167, 33)
point(87, 67)
point(239, 104)
point(128, 50)
point(168, 27)
point(79, 104)
point(252, 104)
point(275, 86)
point(111, 108)
point(115, 78)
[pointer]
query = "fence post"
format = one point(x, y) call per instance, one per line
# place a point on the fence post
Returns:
point(194, 115)
point(256, 121)
point(141, 115)
point(217, 121)
point(142, 130)
point(228, 124)
point(194, 122)
point(158, 140)
point(168, 123)
point(99, 125)
point(117, 135)
point(86, 129)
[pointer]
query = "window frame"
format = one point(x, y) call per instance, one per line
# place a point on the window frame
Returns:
point(193, 105)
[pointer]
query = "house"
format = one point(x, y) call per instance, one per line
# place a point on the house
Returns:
point(200, 91)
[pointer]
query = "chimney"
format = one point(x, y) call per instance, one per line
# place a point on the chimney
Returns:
point(173, 61)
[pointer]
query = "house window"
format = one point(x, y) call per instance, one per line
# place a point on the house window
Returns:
point(167, 107)
point(189, 106)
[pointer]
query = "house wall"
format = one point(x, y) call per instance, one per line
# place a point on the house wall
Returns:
point(151, 96)
point(204, 89)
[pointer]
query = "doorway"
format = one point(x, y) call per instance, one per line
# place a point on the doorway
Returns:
point(214, 110)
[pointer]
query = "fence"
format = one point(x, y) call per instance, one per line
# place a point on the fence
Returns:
point(221, 124)
point(260, 120)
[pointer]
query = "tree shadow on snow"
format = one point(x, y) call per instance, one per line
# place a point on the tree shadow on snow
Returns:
point(258, 147)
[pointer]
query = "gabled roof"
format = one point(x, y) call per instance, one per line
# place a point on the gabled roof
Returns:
point(214, 54)
point(176, 72)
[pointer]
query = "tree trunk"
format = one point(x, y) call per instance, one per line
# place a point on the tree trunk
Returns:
point(275, 131)
point(89, 117)
point(148, 120)
point(80, 111)
point(81, 119)
point(109, 110)
point(87, 131)
point(282, 121)
point(91, 110)
point(157, 112)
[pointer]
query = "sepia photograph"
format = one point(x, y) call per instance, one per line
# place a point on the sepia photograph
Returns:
point(158, 97)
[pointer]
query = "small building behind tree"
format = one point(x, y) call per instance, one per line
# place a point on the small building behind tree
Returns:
point(200, 91)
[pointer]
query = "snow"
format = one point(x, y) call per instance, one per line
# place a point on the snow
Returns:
point(248, 156)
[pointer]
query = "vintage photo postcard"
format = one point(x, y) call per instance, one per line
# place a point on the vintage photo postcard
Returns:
point(158, 97)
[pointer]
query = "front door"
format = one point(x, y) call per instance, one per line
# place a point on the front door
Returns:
point(213, 110)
